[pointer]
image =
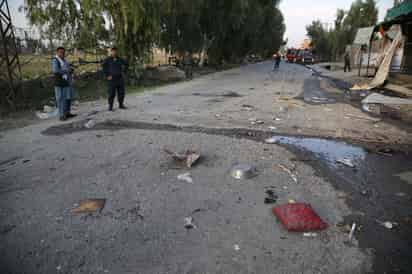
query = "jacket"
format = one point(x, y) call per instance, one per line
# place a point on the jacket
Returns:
point(114, 67)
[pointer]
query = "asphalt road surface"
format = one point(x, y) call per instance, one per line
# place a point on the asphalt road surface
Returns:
point(47, 168)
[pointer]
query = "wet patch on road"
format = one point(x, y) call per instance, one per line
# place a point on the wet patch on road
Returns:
point(313, 93)
point(228, 94)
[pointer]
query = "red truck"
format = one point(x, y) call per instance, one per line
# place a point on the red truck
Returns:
point(291, 55)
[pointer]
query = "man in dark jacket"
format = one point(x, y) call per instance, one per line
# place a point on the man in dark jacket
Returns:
point(113, 68)
point(347, 62)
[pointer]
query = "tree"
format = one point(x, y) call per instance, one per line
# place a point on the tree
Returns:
point(224, 30)
point(331, 44)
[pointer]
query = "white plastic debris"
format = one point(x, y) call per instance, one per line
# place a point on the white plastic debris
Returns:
point(90, 124)
point(376, 98)
point(188, 223)
point(271, 140)
point(47, 108)
point(47, 115)
point(352, 231)
point(310, 235)
point(346, 162)
point(388, 225)
point(187, 177)
point(236, 247)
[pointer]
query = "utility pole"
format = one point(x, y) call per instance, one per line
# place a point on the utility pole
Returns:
point(10, 73)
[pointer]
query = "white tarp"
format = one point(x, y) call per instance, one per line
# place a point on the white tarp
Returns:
point(385, 66)
point(376, 98)
point(363, 36)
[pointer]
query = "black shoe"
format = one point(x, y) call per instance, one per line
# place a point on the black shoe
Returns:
point(70, 115)
point(110, 109)
point(63, 118)
point(122, 107)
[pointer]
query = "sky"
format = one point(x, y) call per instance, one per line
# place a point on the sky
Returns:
point(298, 14)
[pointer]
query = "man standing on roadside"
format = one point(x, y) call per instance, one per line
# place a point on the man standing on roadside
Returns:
point(113, 68)
point(63, 84)
point(347, 62)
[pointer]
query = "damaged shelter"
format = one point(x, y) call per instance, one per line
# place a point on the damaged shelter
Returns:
point(385, 51)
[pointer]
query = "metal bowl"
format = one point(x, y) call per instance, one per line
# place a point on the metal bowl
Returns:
point(243, 172)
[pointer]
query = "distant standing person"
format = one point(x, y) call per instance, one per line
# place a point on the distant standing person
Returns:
point(277, 58)
point(188, 65)
point(347, 62)
point(113, 68)
point(63, 84)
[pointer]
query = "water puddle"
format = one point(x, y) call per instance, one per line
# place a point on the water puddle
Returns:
point(329, 151)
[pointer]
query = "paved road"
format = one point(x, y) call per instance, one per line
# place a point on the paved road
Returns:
point(45, 169)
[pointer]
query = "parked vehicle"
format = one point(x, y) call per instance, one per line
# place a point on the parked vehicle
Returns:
point(305, 57)
point(290, 55)
point(298, 57)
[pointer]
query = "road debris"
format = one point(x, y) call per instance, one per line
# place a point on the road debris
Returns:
point(236, 247)
point(299, 217)
point(352, 231)
point(272, 140)
point(188, 223)
point(255, 121)
point(310, 234)
point(92, 113)
point(47, 115)
point(185, 177)
point(188, 158)
point(350, 116)
point(89, 206)
point(7, 228)
point(243, 171)
point(272, 128)
point(376, 98)
point(346, 161)
point(90, 124)
point(271, 197)
point(246, 107)
point(290, 172)
point(388, 225)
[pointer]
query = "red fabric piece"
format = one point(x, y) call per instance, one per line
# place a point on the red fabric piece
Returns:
point(298, 217)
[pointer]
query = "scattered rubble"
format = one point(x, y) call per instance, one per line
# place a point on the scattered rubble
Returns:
point(271, 197)
point(89, 206)
point(290, 172)
point(255, 121)
point(243, 171)
point(188, 158)
point(188, 223)
point(185, 177)
point(352, 231)
point(310, 234)
point(346, 161)
point(90, 124)
point(50, 113)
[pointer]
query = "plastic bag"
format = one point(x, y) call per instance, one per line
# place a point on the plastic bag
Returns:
point(299, 217)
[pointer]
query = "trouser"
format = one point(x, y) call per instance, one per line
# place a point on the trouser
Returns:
point(62, 100)
point(347, 67)
point(276, 65)
point(188, 71)
point(116, 86)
